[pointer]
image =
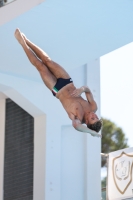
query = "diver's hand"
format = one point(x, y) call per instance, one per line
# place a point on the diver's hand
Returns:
point(95, 134)
point(77, 92)
point(80, 127)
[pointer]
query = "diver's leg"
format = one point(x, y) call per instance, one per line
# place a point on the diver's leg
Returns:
point(56, 69)
point(48, 78)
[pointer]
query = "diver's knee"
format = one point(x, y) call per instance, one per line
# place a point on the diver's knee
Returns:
point(48, 59)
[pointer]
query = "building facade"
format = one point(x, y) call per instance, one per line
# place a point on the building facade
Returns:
point(66, 163)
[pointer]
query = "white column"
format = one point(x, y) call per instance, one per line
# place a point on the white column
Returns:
point(93, 146)
point(2, 142)
point(39, 157)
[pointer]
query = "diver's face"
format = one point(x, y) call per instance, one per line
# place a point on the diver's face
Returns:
point(92, 118)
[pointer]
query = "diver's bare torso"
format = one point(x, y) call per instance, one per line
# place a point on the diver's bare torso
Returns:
point(73, 105)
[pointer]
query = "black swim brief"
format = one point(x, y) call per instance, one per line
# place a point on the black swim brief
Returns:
point(61, 82)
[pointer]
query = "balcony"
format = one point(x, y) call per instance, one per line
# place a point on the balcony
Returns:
point(20, 6)
point(5, 2)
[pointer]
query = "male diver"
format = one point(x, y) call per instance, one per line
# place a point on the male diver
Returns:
point(59, 82)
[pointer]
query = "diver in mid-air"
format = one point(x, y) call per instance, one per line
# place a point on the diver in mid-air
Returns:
point(59, 82)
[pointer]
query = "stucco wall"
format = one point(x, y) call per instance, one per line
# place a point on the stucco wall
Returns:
point(56, 118)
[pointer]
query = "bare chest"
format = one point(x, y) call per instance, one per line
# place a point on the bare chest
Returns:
point(77, 106)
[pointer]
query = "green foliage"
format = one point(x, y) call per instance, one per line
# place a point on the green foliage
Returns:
point(103, 182)
point(113, 138)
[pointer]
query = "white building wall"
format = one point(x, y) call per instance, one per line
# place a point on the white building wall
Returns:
point(39, 139)
point(38, 95)
point(73, 33)
point(72, 171)
point(73, 164)
point(94, 144)
point(56, 118)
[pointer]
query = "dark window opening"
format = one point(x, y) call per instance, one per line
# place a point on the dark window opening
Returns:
point(19, 152)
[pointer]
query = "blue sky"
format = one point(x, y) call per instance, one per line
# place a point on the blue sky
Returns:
point(117, 88)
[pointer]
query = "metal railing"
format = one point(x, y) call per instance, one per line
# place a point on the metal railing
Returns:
point(5, 2)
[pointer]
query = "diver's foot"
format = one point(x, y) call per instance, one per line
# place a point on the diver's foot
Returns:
point(23, 35)
point(19, 36)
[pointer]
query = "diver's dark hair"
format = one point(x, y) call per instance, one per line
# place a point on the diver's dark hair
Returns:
point(96, 126)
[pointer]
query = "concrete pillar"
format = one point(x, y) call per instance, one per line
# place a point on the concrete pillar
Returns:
point(93, 144)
